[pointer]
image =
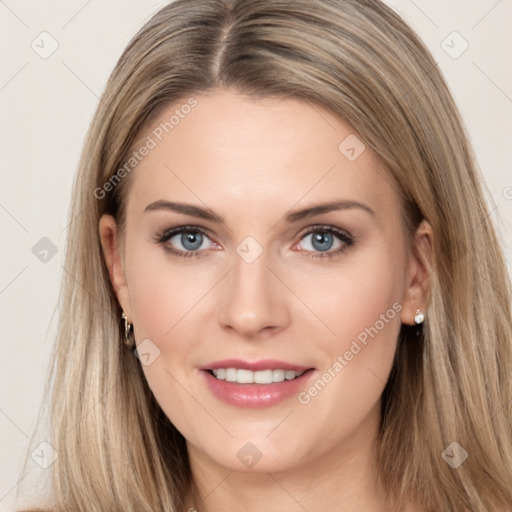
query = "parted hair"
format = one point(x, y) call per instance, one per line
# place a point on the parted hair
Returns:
point(358, 59)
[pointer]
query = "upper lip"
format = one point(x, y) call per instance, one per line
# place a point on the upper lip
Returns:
point(262, 364)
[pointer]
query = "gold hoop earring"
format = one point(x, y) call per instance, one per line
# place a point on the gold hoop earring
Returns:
point(127, 330)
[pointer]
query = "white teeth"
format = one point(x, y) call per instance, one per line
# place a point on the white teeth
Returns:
point(263, 377)
point(243, 376)
point(278, 375)
point(231, 374)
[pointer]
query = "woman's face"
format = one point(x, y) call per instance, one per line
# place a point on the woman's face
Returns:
point(253, 277)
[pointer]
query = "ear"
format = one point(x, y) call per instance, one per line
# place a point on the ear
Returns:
point(419, 268)
point(110, 243)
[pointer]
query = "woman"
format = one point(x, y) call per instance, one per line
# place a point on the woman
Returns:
point(277, 206)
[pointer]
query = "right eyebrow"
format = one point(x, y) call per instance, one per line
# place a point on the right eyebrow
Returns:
point(187, 209)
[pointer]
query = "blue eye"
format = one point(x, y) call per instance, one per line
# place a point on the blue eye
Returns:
point(325, 241)
point(324, 238)
point(191, 239)
point(322, 241)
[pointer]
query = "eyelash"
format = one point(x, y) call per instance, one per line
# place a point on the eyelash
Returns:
point(347, 239)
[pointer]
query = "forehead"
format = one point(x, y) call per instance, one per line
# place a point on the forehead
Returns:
point(255, 154)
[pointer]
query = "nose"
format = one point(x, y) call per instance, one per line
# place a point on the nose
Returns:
point(254, 300)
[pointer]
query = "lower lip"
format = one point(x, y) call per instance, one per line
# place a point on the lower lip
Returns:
point(255, 395)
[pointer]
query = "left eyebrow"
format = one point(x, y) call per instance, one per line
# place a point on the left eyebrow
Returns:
point(294, 216)
point(318, 209)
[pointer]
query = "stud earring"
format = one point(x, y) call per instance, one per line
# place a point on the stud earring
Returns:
point(127, 330)
point(419, 317)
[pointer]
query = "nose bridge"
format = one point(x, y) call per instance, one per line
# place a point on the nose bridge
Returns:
point(250, 272)
point(253, 299)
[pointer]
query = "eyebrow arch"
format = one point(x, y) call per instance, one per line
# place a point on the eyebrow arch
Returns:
point(294, 216)
point(318, 209)
point(187, 209)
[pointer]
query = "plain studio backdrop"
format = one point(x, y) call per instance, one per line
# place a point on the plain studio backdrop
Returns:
point(56, 59)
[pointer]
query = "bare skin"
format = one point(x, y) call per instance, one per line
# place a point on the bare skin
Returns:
point(253, 162)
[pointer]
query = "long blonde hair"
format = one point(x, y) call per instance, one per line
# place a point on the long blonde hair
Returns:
point(117, 450)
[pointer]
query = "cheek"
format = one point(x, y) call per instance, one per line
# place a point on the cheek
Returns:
point(162, 300)
point(362, 295)
point(151, 300)
point(362, 306)
point(162, 295)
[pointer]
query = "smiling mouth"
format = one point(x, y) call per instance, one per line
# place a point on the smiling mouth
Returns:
point(243, 376)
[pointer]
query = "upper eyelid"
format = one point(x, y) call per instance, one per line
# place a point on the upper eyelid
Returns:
point(201, 229)
point(167, 234)
point(323, 227)
point(184, 228)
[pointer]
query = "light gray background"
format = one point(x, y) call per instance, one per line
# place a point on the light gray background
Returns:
point(47, 104)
